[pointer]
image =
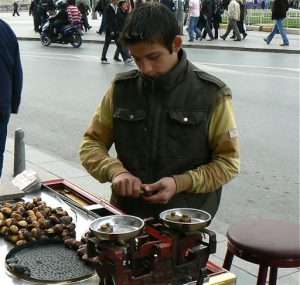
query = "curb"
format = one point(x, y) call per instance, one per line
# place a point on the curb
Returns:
point(197, 46)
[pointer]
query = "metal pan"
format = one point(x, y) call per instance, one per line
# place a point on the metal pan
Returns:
point(198, 219)
point(121, 228)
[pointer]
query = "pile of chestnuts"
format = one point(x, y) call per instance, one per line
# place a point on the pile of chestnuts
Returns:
point(30, 221)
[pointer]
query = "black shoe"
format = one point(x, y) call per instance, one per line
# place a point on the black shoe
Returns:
point(99, 33)
point(89, 27)
point(232, 37)
point(104, 61)
point(223, 38)
point(117, 59)
point(266, 40)
point(245, 35)
point(237, 40)
point(284, 44)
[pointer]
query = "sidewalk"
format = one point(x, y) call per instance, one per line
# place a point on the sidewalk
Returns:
point(50, 167)
point(23, 27)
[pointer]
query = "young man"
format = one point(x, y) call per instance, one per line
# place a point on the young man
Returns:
point(11, 81)
point(172, 125)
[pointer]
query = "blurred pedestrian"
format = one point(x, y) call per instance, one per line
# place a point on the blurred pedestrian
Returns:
point(112, 32)
point(16, 7)
point(194, 14)
point(11, 79)
point(217, 17)
point(84, 9)
point(34, 12)
point(207, 10)
point(121, 17)
point(233, 18)
point(241, 22)
point(279, 10)
point(170, 4)
point(102, 5)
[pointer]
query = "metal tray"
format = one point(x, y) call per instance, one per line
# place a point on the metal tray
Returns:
point(199, 219)
point(124, 227)
point(47, 261)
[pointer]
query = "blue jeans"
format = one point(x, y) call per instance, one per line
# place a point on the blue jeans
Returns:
point(193, 21)
point(278, 28)
point(4, 118)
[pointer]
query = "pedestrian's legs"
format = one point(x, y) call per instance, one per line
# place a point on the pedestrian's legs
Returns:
point(106, 45)
point(191, 27)
point(208, 27)
point(4, 118)
point(196, 29)
point(236, 30)
point(103, 24)
point(228, 30)
point(279, 24)
point(271, 36)
point(116, 55)
point(216, 26)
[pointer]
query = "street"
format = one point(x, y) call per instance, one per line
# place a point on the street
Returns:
point(63, 86)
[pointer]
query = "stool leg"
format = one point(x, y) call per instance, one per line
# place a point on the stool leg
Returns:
point(228, 260)
point(262, 275)
point(273, 276)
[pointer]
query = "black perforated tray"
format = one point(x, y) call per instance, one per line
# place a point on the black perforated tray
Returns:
point(47, 261)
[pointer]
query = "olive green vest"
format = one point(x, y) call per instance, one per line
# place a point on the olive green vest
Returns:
point(161, 129)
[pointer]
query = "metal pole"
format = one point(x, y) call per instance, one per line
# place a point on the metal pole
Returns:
point(179, 14)
point(19, 157)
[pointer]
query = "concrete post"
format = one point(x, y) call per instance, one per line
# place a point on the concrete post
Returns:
point(19, 157)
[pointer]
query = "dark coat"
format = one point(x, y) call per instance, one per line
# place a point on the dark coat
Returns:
point(121, 17)
point(111, 20)
point(170, 4)
point(11, 75)
point(279, 9)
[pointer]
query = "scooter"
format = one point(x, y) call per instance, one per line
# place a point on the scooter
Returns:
point(69, 35)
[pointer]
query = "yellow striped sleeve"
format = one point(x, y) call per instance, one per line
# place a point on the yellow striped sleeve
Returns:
point(97, 141)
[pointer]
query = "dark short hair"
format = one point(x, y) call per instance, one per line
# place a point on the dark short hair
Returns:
point(151, 22)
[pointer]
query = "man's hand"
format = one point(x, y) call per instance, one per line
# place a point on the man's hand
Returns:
point(166, 188)
point(127, 185)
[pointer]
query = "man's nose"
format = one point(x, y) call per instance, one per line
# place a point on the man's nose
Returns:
point(146, 67)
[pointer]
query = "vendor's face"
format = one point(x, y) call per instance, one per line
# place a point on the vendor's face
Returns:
point(154, 59)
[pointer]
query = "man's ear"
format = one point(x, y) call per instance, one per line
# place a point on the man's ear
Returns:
point(177, 43)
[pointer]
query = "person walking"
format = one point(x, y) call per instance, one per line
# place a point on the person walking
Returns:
point(208, 7)
point(11, 80)
point(233, 18)
point(102, 6)
point(172, 125)
point(241, 22)
point(121, 18)
point(194, 14)
point(112, 32)
point(16, 7)
point(279, 9)
point(34, 12)
point(217, 17)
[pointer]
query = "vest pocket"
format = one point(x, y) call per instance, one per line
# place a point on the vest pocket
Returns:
point(129, 115)
point(129, 129)
point(186, 131)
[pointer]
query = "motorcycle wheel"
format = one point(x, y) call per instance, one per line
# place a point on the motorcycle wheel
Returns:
point(45, 41)
point(76, 41)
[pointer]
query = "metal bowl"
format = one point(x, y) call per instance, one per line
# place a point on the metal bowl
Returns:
point(124, 228)
point(199, 219)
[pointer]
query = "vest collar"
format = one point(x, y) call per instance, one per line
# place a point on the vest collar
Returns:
point(173, 78)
